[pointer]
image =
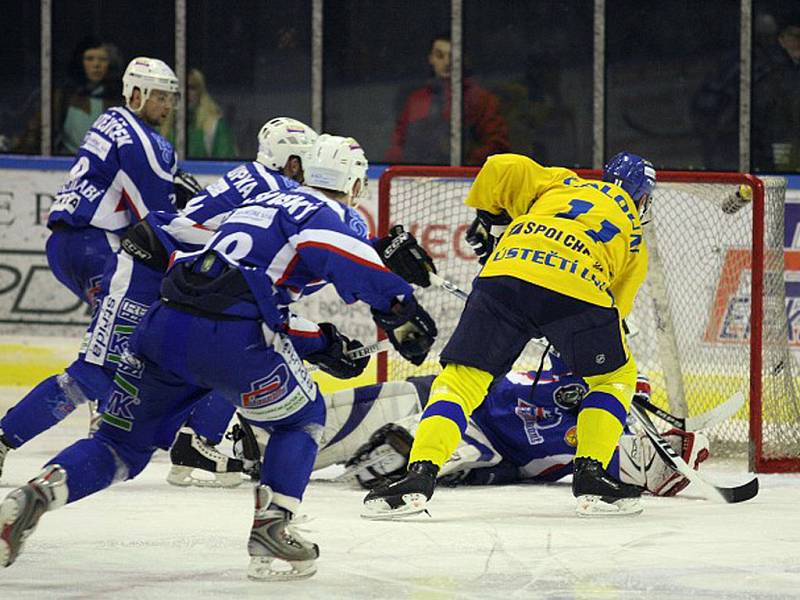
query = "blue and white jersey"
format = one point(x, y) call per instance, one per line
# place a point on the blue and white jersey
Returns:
point(123, 170)
point(194, 225)
point(285, 241)
point(537, 434)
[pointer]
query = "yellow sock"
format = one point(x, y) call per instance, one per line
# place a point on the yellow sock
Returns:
point(455, 393)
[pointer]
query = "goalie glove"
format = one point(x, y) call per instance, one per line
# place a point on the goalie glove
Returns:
point(186, 188)
point(484, 232)
point(640, 464)
point(333, 359)
point(382, 458)
point(401, 252)
point(410, 328)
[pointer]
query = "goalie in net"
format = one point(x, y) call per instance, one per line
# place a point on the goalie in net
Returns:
point(518, 433)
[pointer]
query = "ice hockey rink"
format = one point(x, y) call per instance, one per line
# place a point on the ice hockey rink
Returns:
point(146, 539)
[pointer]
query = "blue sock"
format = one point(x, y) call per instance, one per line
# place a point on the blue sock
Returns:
point(90, 467)
point(211, 416)
point(44, 406)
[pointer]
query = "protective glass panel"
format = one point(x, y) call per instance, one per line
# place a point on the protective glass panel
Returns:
point(376, 59)
point(528, 84)
point(20, 119)
point(775, 102)
point(88, 67)
point(672, 82)
point(248, 61)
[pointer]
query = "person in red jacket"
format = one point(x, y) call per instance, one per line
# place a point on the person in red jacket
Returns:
point(422, 132)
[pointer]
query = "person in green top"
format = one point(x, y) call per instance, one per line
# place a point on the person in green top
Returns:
point(207, 133)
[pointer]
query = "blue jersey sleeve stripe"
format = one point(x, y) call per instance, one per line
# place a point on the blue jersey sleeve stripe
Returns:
point(608, 403)
point(341, 252)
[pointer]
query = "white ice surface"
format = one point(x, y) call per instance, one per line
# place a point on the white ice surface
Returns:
point(146, 539)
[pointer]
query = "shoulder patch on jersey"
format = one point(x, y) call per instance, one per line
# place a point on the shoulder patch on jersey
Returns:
point(357, 223)
point(96, 144)
point(164, 147)
point(571, 436)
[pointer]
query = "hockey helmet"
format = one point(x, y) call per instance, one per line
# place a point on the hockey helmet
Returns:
point(281, 138)
point(335, 163)
point(635, 175)
point(148, 74)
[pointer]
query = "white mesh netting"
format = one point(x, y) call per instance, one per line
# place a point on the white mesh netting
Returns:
point(692, 314)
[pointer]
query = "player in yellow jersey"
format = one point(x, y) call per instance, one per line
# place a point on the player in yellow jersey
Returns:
point(567, 268)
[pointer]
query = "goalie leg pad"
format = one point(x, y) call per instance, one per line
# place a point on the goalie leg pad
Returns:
point(383, 458)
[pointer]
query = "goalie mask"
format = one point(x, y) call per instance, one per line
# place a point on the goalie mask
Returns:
point(148, 74)
point(280, 139)
point(633, 174)
point(335, 164)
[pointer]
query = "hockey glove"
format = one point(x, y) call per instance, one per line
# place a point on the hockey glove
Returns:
point(333, 359)
point(484, 232)
point(382, 458)
point(186, 188)
point(411, 330)
point(401, 252)
point(141, 242)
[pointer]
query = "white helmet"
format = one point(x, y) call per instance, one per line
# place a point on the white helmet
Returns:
point(148, 74)
point(336, 163)
point(281, 138)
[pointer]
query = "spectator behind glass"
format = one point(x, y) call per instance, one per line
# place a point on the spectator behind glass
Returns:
point(422, 132)
point(93, 84)
point(776, 101)
point(208, 135)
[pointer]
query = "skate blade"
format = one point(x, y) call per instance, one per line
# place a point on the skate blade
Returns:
point(268, 568)
point(595, 506)
point(183, 477)
point(379, 510)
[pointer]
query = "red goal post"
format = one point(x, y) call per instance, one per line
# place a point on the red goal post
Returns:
point(711, 317)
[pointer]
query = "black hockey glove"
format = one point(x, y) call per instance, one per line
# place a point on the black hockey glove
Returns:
point(140, 241)
point(401, 252)
point(411, 330)
point(484, 232)
point(186, 188)
point(333, 358)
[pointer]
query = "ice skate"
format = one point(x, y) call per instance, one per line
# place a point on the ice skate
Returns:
point(408, 496)
point(190, 452)
point(24, 506)
point(5, 448)
point(600, 494)
point(277, 551)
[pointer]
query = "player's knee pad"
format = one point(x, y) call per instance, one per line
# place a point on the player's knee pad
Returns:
point(129, 459)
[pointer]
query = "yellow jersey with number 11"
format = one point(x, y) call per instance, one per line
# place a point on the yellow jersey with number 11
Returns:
point(578, 237)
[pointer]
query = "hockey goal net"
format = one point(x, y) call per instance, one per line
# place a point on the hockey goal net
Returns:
point(711, 317)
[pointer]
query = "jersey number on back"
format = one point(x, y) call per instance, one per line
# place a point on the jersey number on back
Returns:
point(580, 207)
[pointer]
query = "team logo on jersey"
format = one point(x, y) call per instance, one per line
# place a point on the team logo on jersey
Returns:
point(571, 437)
point(267, 390)
point(569, 396)
point(357, 224)
point(535, 418)
point(164, 147)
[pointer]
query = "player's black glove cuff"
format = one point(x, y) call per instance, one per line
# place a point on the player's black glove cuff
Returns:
point(333, 359)
point(410, 328)
point(141, 242)
point(483, 233)
point(401, 252)
point(186, 187)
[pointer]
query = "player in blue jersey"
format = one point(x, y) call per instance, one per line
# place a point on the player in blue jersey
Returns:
point(222, 324)
point(130, 284)
point(516, 434)
point(123, 170)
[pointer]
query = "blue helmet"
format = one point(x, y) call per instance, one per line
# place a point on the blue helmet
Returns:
point(633, 174)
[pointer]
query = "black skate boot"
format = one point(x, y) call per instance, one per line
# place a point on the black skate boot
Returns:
point(190, 452)
point(600, 494)
point(24, 506)
point(277, 551)
point(407, 496)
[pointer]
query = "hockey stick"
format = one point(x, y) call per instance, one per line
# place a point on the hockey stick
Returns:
point(448, 286)
point(730, 495)
point(379, 346)
point(712, 417)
